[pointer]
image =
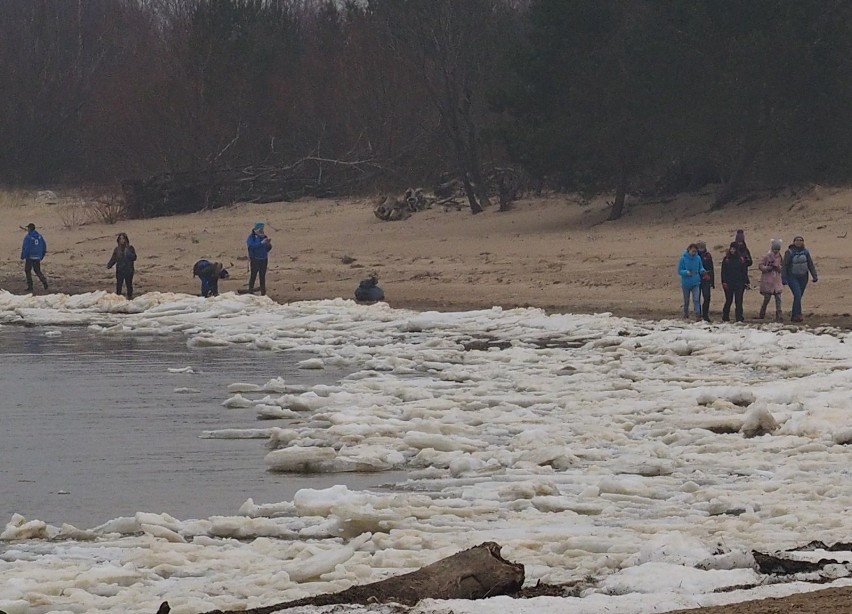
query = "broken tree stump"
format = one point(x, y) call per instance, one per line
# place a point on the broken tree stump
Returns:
point(475, 573)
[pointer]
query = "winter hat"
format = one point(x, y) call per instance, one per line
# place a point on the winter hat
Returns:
point(702, 246)
point(740, 238)
point(775, 244)
point(30, 226)
point(258, 226)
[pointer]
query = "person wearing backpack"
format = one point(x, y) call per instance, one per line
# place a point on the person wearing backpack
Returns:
point(797, 264)
point(33, 251)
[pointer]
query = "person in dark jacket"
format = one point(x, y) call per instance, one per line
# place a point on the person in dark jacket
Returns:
point(794, 273)
point(258, 251)
point(123, 257)
point(708, 279)
point(209, 273)
point(734, 281)
point(745, 252)
point(33, 252)
point(368, 290)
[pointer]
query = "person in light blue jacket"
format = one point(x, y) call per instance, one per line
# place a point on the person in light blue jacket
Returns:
point(690, 267)
point(33, 252)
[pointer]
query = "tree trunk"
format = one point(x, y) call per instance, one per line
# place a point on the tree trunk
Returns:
point(475, 207)
point(620, 194)
point(472, 148)
point(728, 191)
point(475, 573)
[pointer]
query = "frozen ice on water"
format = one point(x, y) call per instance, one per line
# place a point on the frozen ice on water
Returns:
point(181, 370)
point(649, 458)
point(238, 401)
point(311, 363)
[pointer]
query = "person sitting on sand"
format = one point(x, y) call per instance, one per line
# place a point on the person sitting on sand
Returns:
point(209, 273)
point(123, 257)
point(734, 282)
point(368, 290)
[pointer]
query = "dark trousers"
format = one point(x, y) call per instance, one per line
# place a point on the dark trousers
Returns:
point(258, 269)
point(705, 300)
point(29, 267)
point(209, 285)
point(733, 295)
point(124, 278)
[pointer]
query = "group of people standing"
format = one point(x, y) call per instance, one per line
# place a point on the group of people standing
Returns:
point(34, 249)
point(698, 277)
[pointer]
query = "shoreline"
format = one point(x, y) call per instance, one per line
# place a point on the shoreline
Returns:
point(814, 321)
point(550, 252)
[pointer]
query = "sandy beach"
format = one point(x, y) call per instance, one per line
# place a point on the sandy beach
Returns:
point(552, 252)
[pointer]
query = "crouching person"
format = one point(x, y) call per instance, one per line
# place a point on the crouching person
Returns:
point(209, 273)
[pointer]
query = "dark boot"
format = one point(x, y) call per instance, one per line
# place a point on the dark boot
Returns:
point(779, 317)
point(762, 313)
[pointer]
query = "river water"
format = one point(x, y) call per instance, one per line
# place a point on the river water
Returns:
point(93, 427)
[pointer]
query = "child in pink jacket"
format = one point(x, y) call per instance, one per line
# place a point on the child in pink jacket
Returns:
point(770, 278)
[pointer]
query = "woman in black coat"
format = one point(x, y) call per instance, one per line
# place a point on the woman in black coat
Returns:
point(123, 257)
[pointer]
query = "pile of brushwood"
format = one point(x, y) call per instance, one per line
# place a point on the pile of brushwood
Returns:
point(190, 191)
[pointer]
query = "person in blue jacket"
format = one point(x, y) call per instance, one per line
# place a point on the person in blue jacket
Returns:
point(209, 273)
point(33, 252)
point(258, 251)
point(690, 267)
point(794, 273)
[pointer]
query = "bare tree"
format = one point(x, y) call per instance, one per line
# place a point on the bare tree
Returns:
point(447, 45)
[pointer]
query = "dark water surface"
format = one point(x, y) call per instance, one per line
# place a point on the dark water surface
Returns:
point(91, 428)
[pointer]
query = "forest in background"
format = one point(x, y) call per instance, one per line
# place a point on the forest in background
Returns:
point(646, 97)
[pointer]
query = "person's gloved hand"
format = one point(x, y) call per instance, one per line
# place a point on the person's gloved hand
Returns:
point(784, 282)
point(815, 280)
point(725, 286)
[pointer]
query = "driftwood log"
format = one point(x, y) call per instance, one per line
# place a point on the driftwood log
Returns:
point(392, 208)
point(475, 573)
